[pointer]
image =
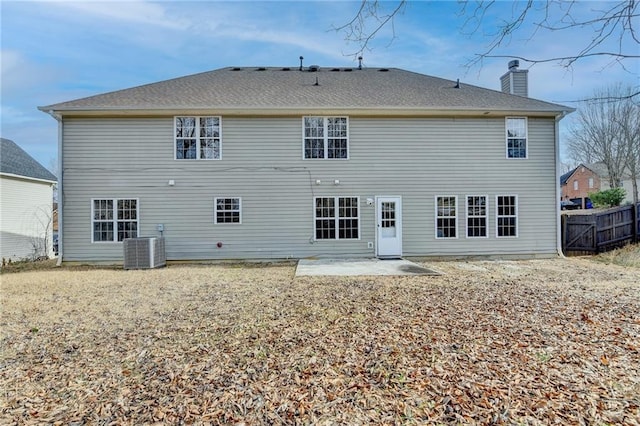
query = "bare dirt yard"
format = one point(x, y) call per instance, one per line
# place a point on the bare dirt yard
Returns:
point(501, 342)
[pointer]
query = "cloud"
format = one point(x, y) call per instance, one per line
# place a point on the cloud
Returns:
point(131, 12)
point(20, 75)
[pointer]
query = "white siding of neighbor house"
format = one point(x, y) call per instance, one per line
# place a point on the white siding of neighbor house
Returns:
point(415, 158)
point(627, 185)
point(26, 213)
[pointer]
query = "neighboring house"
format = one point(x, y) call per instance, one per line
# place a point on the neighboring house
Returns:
point(577, 184)
point(26, 207)
point(257, 162)
point(627, 182)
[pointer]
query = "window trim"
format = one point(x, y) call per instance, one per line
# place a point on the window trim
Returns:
point(526, 138)
point(337, 218)
point(326, 137)
point(575, 185)
point(115, 219)
point(215, 211)
point(517, 216)
point(591, 183)
point(197, 138)
point(455, 217)
point(486, 216)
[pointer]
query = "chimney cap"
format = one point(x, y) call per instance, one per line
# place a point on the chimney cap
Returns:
point(514, 64)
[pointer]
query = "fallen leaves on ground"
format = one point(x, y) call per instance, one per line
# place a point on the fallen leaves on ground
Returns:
point(527, 342)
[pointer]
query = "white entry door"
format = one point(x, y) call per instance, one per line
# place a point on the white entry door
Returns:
point(389, 223)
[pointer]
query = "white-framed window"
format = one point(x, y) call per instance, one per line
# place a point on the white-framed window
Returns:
point(575, 185)
point(516, 131)
point(336, 218)
point(325, 137)
point(506, 216)
point(477, 216)
point(446, 216)
point(590, 183)
point(227, 210)
point(198, 138)
point(114, 219)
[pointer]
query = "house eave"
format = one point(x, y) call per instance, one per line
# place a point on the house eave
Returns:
point(29, 178)
point(298, 111)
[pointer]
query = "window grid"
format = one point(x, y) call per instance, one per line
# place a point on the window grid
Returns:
point(326, 137)
point(197, 138)
point(446, 217)
point(336, 218)
point(506, 216)
point(516, 137)
point(227, 210)
point(477, 216)
point(113, 220)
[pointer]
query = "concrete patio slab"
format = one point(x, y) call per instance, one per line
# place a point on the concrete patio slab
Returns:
point(351, 267)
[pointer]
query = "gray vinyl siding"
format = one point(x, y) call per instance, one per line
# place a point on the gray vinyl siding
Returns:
point(415, 158)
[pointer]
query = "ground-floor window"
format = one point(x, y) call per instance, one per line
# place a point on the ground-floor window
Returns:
point(336, 218)
point(506, 216)
point(476, 216)
point(446, 217)
point(227, 210)
point(114, 219)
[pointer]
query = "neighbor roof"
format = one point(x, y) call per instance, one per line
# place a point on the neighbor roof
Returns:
point(272, 89)
point(566, 176)
point(15, 161)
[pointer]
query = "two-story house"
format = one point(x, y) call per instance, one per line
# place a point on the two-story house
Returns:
point(280, 162)
point(578, 183)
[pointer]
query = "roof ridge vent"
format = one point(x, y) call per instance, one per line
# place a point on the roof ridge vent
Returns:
point(314, 68)
point(261, 69)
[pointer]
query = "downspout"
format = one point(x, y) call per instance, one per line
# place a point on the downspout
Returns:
point(58, 118)
point(558, 188)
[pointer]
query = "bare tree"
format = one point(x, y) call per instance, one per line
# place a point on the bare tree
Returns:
point(41, 243)
point(610, 24)
point(629, 122)
point(607, 131)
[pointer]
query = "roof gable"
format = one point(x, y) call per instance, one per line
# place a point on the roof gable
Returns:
point(273, 88)
point(565, 177)
point(14, 160)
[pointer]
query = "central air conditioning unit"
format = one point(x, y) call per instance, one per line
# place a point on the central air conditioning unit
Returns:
point(144, 253)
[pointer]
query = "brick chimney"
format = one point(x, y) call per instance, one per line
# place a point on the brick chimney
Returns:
point(515, 81)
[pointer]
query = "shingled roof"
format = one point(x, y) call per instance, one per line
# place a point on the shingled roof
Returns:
point(273, 89)
point(15, 161)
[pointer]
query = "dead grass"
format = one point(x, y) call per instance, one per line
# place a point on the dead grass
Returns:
point(531, 342)
point(626, 256)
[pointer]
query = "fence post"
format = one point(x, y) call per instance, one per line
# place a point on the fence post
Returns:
point(636, 222)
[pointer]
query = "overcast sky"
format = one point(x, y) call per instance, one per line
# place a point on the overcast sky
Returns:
point(58, 51)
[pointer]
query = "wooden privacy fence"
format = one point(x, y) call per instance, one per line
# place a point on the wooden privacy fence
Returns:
point(600, 231)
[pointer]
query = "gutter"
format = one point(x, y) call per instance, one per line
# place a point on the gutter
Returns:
point(558, 117)
point(58, 118)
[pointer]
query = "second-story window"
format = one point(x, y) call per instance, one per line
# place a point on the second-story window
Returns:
point(197, 138)
point(326, 137)
point(516, 137)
